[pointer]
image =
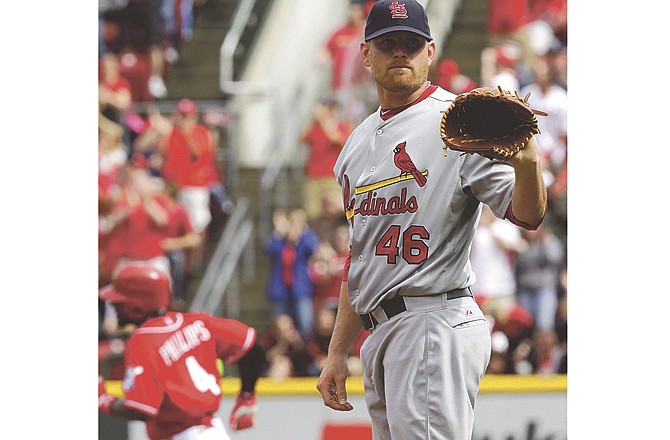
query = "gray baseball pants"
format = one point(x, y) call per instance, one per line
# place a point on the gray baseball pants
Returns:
point(422, 369)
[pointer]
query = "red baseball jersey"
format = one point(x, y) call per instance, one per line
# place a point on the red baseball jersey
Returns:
point(171, 373)
point(323, 153)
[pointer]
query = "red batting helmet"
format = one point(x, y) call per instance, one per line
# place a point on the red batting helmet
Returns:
point(140, 288)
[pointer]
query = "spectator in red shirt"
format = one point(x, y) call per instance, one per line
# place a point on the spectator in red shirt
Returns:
point(338, 48)
point(112, 156)
point(449, 77)
point(324, 137)
point(136, 226)
point(141, 32)
point(327, 267)
point(188, 151)
point(189, 164)
point(150, 133)
point(114, 90)
point(349, 79)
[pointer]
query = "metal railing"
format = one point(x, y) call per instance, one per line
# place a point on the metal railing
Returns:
point(220, 271)
point(219, 276)
point(227, 53)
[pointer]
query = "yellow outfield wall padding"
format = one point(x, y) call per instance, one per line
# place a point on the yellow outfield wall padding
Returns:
point(305, 386)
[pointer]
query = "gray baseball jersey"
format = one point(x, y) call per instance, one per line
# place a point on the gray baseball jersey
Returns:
point(413, 206)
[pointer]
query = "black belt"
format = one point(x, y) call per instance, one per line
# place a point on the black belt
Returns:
point(396, 305)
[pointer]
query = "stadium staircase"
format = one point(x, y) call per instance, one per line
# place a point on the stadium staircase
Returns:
point(196, 76)
point(468, 36)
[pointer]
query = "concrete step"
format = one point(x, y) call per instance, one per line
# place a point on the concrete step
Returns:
point(468, 37)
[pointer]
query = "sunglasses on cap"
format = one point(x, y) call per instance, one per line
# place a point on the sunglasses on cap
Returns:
point(407, 43)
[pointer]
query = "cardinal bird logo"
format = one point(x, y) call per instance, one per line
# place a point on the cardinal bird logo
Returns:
point(402, 160)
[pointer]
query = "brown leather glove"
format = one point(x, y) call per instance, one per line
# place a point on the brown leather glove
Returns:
point(491, 122)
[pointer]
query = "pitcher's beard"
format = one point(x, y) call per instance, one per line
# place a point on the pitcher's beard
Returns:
point(407, 81)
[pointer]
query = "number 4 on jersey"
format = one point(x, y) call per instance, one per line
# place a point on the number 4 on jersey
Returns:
point(202, 380)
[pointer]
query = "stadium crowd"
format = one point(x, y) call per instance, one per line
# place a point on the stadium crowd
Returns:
point(160, 186)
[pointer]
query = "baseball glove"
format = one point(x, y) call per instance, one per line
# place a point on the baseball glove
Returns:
point(491, 122)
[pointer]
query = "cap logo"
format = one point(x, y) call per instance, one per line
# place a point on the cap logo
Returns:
point(398, 10)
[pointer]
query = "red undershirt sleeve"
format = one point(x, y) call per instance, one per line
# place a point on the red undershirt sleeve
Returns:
point(509, 215)
point(347, 264)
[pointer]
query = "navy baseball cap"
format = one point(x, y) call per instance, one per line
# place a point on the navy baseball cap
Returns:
point(391, 16)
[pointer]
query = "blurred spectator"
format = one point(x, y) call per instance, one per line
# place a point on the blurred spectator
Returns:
point(449, 77)
point(555, 14)
point(285, 349)
point(538, 269)
point(109, 17)
point(349, 79)
point(499, 350)
point(535, 26)
point(324, 137)
point(330, 218)
point(177, 19)
point(338, 47)
point(548, 96)
point(507, 17)
point(506, 23)
point(140, 32)
point(327, 267)
point(189, 164)
point(494, 248)
point(135, 227)
point(180, 239)
point(114, 90)
point(558, 63)
point(521, 357)
point(150, 134)
point(319, 339)
point(112, 156)
point(557, 199)
point(136, 68)
point(546, 355)
point(562, 310)
point(517, 324)
point(508, 332)
point(499, 66)
point(290, 289)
